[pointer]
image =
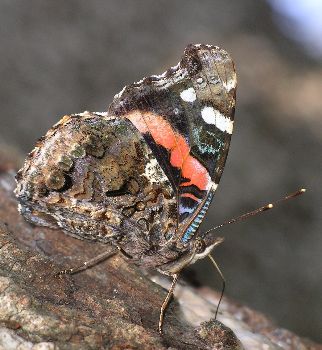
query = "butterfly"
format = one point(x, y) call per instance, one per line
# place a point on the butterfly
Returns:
point(141, 176)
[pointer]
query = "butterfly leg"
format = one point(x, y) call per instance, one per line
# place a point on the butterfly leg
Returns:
point(87, 264)
point(223, 282)
point(166, 301)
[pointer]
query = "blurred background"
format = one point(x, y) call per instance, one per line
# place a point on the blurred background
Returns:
point(61, 57)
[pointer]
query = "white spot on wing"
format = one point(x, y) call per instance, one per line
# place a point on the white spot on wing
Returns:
point(214, 187)
point(177, 66)
point(214, 117)
point(188, 95)
point(102, 114)
point(120, 93)
point(230, 84)
point(154, 173)
point(140, 81)
point(163, 75)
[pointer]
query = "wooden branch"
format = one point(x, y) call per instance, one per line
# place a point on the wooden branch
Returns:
point(113, 305)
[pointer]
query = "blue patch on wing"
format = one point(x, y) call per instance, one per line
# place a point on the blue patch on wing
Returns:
point(197, 221)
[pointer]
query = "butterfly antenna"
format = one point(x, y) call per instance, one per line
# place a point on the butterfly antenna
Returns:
point(240, 218)
point(258, 210)
point(223, 282)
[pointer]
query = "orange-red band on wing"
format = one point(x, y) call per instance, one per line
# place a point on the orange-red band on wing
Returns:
point(190, 195)
point(164, 135)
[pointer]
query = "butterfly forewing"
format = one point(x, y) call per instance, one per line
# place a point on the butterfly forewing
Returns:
point(186, 117)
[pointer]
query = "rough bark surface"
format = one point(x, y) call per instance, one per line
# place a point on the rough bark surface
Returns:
point(110, 306)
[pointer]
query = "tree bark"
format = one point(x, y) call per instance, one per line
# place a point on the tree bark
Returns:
point(113, 305)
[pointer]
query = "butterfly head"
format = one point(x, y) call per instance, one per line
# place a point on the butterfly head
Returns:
point(201, 247)
point(196, 249)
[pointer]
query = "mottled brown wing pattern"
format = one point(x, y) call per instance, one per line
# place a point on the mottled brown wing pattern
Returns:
point(95, 177)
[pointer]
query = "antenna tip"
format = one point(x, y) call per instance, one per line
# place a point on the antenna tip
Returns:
point(302, 190)
point(267, 207)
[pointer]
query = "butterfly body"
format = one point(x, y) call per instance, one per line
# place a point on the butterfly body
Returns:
point(142, 175)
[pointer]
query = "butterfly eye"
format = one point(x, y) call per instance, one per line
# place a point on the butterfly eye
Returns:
point(200, 246)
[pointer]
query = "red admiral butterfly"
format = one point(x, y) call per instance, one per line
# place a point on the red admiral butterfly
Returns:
point(140, 177)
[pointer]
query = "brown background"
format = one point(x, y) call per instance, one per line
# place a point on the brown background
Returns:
point(62, 57)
